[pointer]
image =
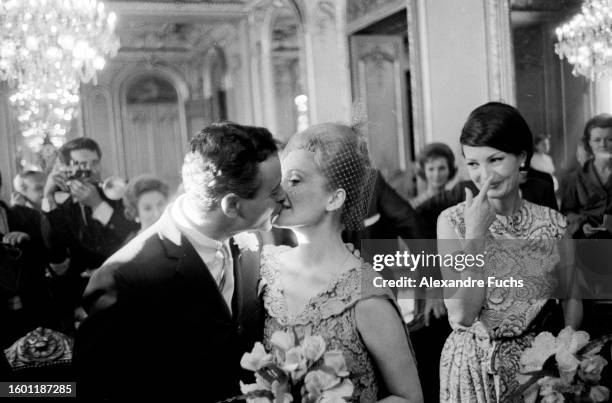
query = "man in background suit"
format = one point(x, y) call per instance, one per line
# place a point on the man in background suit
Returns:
point(172, 312)
point(25, 297)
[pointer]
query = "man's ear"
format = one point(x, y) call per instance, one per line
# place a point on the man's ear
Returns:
point(336, 200)
point(522, 158)
point(230, 205)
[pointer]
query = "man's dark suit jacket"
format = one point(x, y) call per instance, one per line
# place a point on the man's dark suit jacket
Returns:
point(159, 327)
point(389, 216)
point(86, 241)
point(538, 188)
point(24, 274)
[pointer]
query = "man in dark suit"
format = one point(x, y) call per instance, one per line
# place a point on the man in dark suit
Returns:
point(86, 228)
point(25, 297)
point(172, 312)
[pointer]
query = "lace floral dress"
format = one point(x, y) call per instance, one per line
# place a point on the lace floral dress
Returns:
point(330, 314)
point(480, 363)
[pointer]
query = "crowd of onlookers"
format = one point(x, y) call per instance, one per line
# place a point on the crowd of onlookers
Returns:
point(62, 225)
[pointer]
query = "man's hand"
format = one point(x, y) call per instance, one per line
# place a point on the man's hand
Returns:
point(435, 306)
point(55, 181)
point(86, 193)
point(17, 199)
point(15, 238)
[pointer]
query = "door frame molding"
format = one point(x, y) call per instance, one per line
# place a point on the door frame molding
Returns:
point(500, 52)
point(418, 62)
point(120, 85)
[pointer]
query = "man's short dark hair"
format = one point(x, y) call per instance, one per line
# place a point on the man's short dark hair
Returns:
point(224, 158)
point(80, 143)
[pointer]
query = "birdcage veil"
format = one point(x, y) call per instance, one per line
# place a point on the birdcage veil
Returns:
point(341, 153)
point(355, 216)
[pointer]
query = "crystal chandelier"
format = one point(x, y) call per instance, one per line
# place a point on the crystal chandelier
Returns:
point(47, 48)
point(586, 40)
point(45, 110)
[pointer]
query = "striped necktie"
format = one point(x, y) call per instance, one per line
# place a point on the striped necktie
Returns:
point(222, 257)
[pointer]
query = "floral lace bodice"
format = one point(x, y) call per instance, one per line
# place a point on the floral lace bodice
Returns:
point(523, 246)
point(330, 314)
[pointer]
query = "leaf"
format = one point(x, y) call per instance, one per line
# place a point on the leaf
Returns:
point(517, 396)
point(250, 395)
point(594, 346)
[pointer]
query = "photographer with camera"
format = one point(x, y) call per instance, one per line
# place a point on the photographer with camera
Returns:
point(85, 228)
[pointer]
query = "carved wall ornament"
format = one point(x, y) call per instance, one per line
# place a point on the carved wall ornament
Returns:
point(170, 36)
point(378, 56)
point(325, 14)
point(359, 8)
point(184, 1)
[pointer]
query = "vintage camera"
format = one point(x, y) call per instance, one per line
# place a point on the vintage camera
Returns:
point(77, 170)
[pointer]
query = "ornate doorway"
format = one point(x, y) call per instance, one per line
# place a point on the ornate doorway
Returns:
point(152, 129)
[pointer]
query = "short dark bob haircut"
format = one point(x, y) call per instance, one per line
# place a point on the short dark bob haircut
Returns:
point(500, 126)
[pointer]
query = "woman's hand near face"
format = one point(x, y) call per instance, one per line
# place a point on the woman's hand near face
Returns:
point(479, 212)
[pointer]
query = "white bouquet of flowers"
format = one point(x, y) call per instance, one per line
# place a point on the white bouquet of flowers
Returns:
point(566, 368)
point(296, 372)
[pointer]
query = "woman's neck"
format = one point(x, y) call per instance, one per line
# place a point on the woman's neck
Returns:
point(432, 189)
point(508, 205)
point(602, 163)
point(319, 246)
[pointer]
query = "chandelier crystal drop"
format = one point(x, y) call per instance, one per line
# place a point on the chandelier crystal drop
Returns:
point(586, 40)
point(47, 48)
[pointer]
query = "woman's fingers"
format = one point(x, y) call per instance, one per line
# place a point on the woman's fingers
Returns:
point(469, 197)
point(482, 195)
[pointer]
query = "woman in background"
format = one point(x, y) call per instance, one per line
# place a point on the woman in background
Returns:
point(587, 202)
point(437, 168)
point(587, 195)
point(145, 199)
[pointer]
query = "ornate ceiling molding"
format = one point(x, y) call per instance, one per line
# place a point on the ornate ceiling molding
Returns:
point(200, 10)
point(171, 36)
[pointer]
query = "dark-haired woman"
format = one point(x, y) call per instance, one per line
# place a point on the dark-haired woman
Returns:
point(437, 168)
point(494, 324)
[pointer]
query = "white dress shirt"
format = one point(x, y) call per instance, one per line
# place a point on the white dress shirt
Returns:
point(210, 250)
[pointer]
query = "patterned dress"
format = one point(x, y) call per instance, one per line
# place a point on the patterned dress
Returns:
point(480, 363)
point(330, 314)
